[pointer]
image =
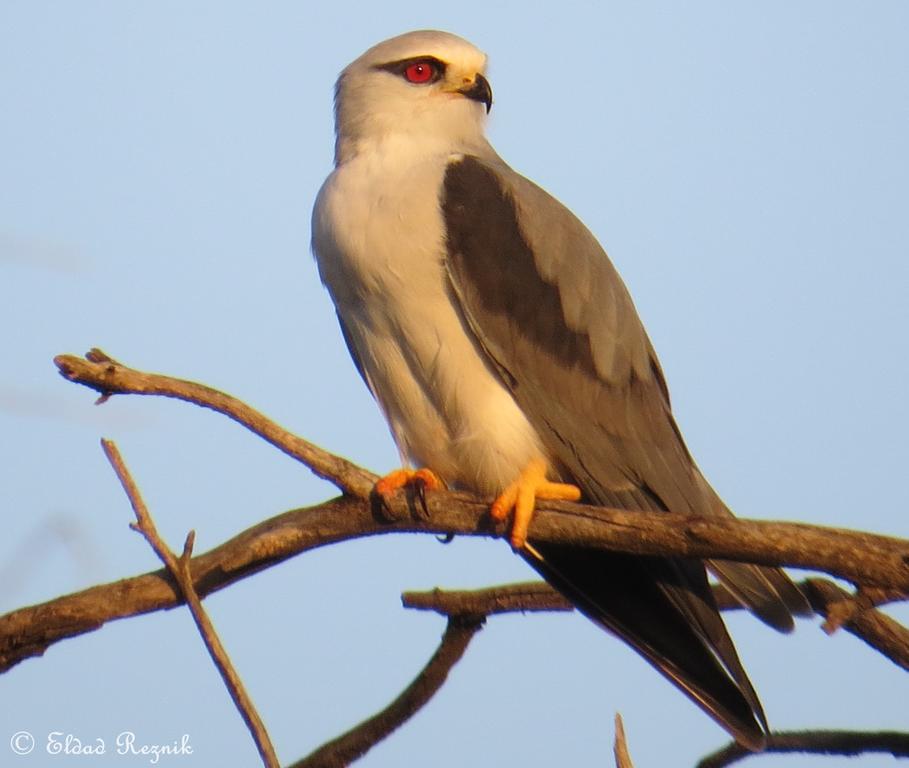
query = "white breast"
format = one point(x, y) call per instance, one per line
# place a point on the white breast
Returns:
point(378, 236)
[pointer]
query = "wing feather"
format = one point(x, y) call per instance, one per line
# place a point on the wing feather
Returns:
point(548, 308)
point(544, 300)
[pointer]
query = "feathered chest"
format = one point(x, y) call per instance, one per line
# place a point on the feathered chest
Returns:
point(378, 227)
point(379, 238)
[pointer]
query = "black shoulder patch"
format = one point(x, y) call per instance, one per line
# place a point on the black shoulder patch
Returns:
point(487, 252)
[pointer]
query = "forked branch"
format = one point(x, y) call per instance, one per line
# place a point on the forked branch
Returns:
point(181, 570)
point(877, 565)
point(865, 559)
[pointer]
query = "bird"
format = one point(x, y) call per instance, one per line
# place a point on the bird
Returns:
point(508, 359)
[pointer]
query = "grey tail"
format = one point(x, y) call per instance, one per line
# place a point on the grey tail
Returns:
point(664, 609)
point(767, 592)
point(764, 590)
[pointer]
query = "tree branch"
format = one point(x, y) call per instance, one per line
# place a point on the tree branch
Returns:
point(523, 597)
point(356, 742)
point(877, 565)
point(620, 747)
point(846, 743)
point(102, 373)
point(179, 568)
point(29, 631)
point(878, 630)
point(862, 558)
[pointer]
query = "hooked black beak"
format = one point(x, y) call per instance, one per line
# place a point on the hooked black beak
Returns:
point(479, 90)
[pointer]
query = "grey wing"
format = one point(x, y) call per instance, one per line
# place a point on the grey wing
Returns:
point(549, 309)
point(587, 414)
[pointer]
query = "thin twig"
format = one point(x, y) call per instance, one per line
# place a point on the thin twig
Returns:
point(102, 373)
point(526, 596)
point(180, 569)
point(846, 743)
point(620, 747)
point(875, 628)
point(356, 742)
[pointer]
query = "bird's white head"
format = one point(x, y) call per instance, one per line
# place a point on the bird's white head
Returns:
point(422, 87)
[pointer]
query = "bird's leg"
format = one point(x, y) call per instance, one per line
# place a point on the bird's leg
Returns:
point(522, 494)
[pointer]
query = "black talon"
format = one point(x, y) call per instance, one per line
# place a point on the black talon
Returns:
point(420, 490)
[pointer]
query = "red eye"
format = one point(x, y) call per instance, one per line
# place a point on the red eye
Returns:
point(420, 72)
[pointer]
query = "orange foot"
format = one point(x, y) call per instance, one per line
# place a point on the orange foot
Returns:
point(421, 480)
point(399, 478)
point(522, 494)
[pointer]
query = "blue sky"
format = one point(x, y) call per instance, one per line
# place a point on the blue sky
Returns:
point(746, 167)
